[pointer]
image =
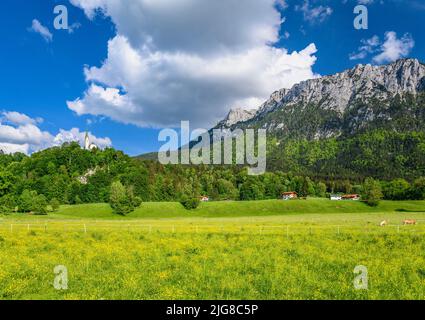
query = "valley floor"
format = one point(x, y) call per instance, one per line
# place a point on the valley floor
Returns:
point(222, 253)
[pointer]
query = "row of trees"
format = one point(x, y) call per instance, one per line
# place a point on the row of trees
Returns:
point(28, 201)
point(400, 189)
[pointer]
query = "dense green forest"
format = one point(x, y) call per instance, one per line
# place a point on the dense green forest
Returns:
point(72, 175)
point(382, 154)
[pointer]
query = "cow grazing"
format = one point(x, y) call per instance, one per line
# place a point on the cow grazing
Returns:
point(409, 222)
point(383, 223)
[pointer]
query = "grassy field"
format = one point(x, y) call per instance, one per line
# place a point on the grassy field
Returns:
point(226, 209)
point(252, 250)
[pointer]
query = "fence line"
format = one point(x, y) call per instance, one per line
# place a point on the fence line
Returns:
point(286, 229)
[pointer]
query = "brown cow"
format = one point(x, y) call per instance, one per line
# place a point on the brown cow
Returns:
point(409, 222)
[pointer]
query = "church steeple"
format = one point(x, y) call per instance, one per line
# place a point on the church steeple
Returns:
point(87, 144)
point(87, 141)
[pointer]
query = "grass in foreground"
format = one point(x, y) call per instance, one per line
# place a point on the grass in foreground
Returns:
point(288, 257)
point(214, 252)
point(208, 265)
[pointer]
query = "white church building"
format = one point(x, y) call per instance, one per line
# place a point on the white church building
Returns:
point(88, 145)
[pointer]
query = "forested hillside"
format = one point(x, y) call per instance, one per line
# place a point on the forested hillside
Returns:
point(381, 154)
point(72, 175)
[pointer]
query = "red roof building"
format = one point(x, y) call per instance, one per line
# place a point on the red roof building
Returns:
point(354, 197)
point(289, 195)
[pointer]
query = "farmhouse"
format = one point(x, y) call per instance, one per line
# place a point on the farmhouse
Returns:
point(352, 197)
point(289, 195)
point(204, 199)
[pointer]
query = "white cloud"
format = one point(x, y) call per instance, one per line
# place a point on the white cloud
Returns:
point(282, 4)
point(19, 118)
point(10, 148)
point(78, 136)
point(20, 133)
point(37, 27)
point(73, 27)
point(394, 48)
point(415, 4)
point(188, 60)
point(368, 46)
point(191, 25)
point(314, 14)
point(390, 50)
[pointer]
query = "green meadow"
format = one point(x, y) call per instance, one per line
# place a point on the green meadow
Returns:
point(229, 209)
point(305, 249)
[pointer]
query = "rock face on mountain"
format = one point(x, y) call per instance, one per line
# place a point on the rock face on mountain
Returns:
point(274, 101)
point(363, 82)
point(346, 102)
point(235, 116)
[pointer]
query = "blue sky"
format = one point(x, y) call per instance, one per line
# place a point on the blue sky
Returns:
point(40, 75)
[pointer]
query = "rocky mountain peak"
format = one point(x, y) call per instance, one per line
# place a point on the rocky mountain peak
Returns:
point(235, 116)
point(363, 82)
point(275, 99)
point(336, 95)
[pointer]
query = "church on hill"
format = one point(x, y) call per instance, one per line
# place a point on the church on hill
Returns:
point(88, 145)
